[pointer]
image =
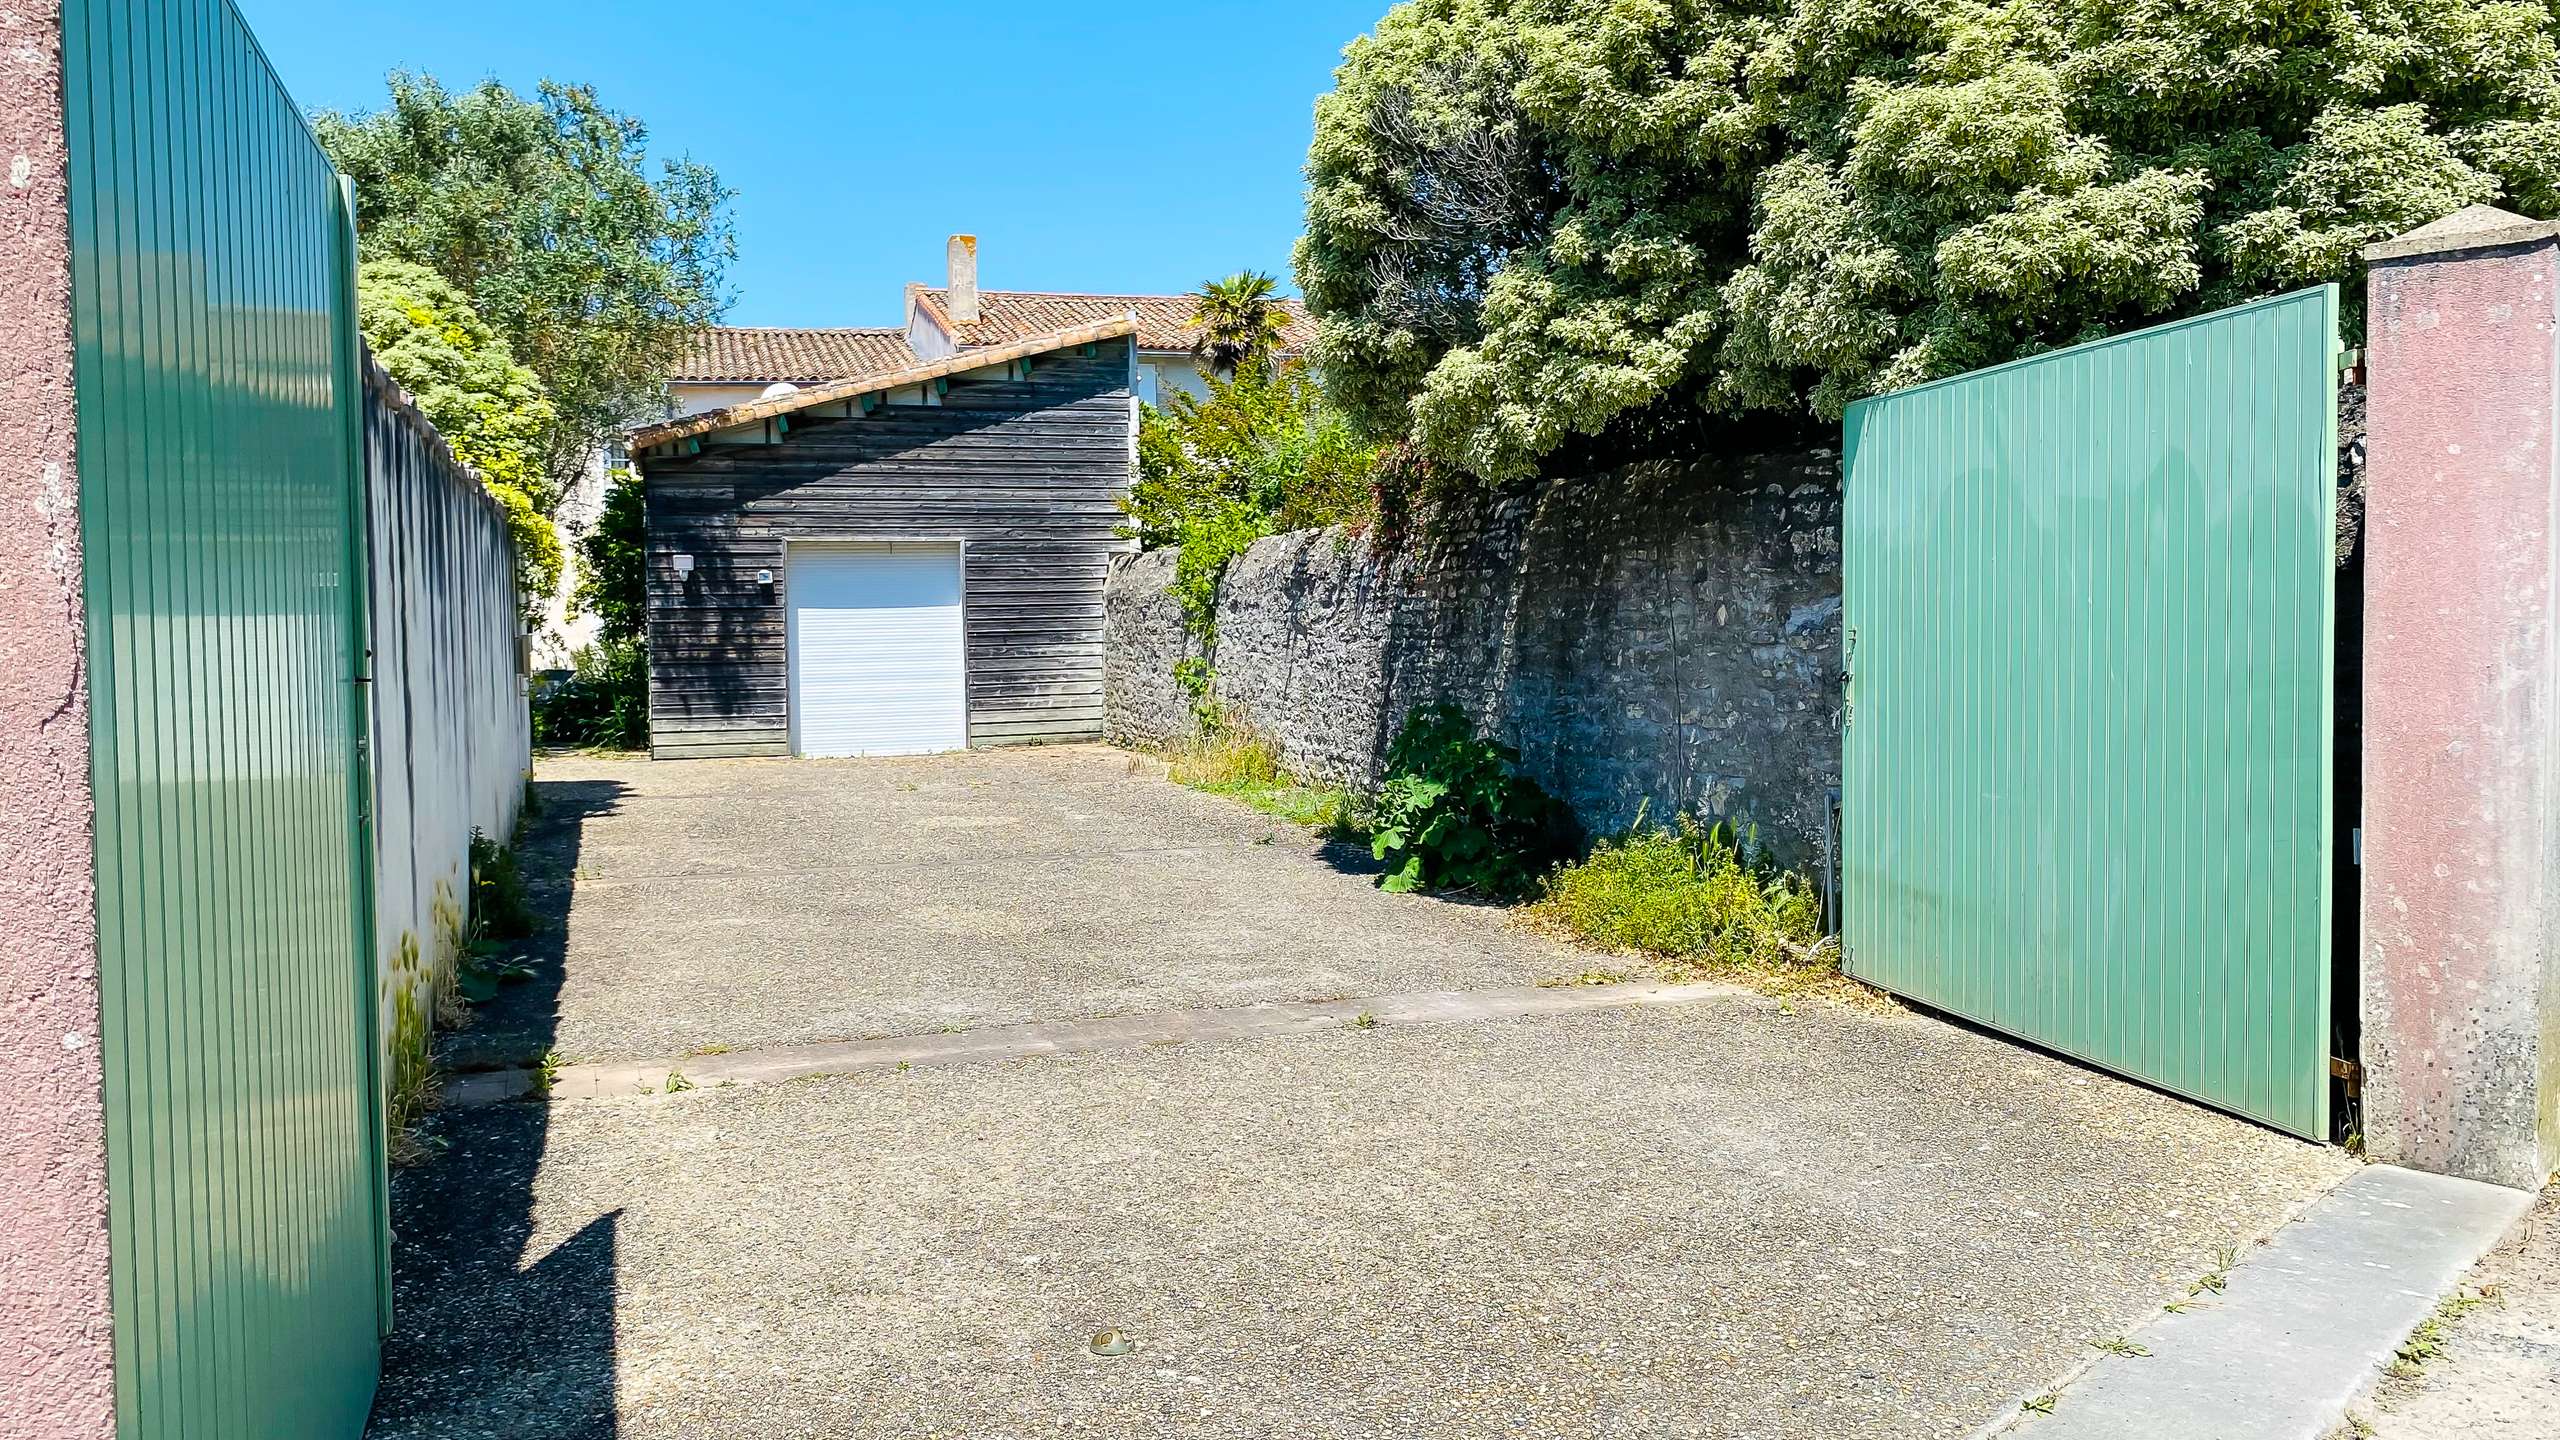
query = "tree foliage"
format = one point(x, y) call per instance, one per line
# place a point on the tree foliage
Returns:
point(1241, 321)
point(1263, 442)
point(490, 410)
point(1535, 221)
point(542, 213)
point(615, 584)
point(1260, 455)
point(604, 699)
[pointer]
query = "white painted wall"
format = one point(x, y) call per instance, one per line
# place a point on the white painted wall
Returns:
point(452, 739)
point(1161, 372)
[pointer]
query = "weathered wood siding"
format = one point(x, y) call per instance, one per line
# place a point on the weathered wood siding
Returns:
point(1029, 473)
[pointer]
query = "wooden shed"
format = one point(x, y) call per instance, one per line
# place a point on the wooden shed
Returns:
point(897, 563)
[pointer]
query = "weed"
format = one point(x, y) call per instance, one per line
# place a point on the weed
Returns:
point(2214, 1280)
point(500, 908)
point(2039, 1404)
point(700, 1050)
point(905, 1065)
point(677, 1084)
point(546, 1071)
point(1236, 763)
point(2428, 1341)
point(2118, 1345)
point(1364, 1021)
point(1698, 896)
point(1456, 813)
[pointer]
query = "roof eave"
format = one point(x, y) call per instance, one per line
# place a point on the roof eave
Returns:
point(690, 426)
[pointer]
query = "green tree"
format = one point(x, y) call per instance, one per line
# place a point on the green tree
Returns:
point(1241, 321)
point(1558, 228)
point(490, 410)
point(1260, 455)
point(543, 214)
point(1264, 441)
point(615, 585)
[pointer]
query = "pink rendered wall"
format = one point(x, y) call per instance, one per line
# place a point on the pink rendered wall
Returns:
point(2460, 685)
point(56, 1362)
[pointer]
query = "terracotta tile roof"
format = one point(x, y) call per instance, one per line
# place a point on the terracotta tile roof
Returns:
point(762, 354)
point(1164, 321)
point(915, 372)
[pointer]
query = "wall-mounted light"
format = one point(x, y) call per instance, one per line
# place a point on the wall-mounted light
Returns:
point(684, 567)
point(764, 577)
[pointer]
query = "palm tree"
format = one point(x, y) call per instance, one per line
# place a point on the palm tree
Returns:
point(1241, 321)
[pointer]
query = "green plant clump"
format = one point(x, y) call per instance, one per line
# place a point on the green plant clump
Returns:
point(1455, 813)
point(602, 703)
point(501, 908)
point(1262, 454)
point(1245, 767)
point(1691, 894)
point(490, 410)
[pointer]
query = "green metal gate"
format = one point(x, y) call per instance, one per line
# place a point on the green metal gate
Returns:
point(2087, 788)
point(220, 490)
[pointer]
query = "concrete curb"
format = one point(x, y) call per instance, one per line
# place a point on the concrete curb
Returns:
point(1068, 1037)
point(2303, 1328)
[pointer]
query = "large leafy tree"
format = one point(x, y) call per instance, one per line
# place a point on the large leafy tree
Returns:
point(490, 410)
point(543, 214)
point(1542, 226)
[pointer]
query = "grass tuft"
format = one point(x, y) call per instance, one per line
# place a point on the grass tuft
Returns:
point(1246, 767)
point(1690, 896)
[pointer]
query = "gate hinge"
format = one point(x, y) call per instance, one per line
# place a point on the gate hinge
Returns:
point(2349, 1071)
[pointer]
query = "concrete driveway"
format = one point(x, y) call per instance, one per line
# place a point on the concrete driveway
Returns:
point(1710, 1215)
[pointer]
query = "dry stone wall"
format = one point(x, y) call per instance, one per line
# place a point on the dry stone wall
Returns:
point(1663, 638)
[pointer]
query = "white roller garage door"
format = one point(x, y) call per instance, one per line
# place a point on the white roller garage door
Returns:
point(876, 649)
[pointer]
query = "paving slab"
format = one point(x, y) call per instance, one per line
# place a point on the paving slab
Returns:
point(1724, 1218)
point(2304, 1326)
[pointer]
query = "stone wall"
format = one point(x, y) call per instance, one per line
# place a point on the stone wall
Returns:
point(1664, 637)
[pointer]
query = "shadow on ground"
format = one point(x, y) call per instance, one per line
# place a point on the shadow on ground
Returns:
point(484, 1309)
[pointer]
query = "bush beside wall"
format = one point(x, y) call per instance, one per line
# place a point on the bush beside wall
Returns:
point(1666, 635)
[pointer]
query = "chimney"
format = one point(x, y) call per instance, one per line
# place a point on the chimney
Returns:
point(961, 299)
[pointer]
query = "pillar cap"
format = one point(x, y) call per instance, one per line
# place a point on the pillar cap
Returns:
point(2473, 227)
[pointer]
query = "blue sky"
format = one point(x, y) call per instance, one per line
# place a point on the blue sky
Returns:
point(1139, 147)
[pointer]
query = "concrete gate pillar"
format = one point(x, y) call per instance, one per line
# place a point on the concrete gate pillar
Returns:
point(57, 1366)
point(2461, 824)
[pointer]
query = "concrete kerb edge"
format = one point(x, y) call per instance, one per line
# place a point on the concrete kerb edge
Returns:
point(2015, 1411)
point(2015, 1419)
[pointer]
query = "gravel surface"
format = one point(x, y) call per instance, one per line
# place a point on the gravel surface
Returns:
point(752, 903)
point(2498, 1376)
point(1716, 1220)
point(1730, 1218)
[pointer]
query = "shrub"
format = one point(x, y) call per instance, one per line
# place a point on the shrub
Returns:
point(1542, 227)
point(1689, 894)
point(603, 702)
point(490, 410)
point(1455, 813)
